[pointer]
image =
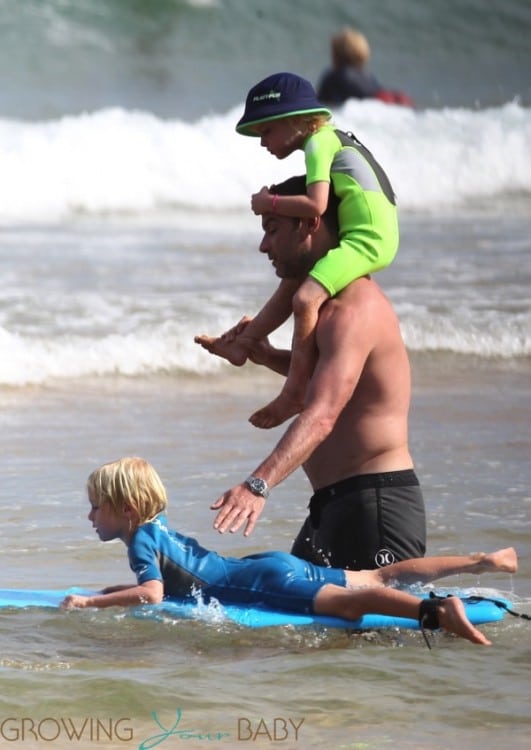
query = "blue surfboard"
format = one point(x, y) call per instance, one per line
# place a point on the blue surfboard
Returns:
point(479, 611)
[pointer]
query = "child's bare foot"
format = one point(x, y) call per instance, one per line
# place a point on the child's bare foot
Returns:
point(501, 561)
point(281, 408)
point(222, 346)
point(452, 618)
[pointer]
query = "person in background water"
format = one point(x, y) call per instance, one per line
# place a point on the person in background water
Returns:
point(348, 79)
point(128, 502)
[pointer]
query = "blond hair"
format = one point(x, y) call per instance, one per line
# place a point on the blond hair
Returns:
point(350, 47)
point(129, 483)
point(310, 123)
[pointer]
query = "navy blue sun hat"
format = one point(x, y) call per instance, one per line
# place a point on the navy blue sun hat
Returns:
point(279, 95)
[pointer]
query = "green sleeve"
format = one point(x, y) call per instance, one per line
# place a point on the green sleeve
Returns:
point(319, 152)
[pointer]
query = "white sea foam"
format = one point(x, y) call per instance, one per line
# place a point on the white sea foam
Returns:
point(169, 347)
point(116, 161)
point(29, 361)
point(97, 296)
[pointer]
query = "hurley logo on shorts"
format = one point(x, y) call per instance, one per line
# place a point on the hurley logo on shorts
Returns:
point(384, 557)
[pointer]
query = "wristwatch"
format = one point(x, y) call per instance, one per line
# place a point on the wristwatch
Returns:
point(257, 486)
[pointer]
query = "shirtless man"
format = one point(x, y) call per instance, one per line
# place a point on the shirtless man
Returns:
point(351, 436)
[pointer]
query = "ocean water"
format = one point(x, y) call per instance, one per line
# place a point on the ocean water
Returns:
point(125, 229)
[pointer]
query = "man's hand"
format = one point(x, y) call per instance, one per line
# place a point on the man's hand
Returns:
point(230, 345)
point(238, 506)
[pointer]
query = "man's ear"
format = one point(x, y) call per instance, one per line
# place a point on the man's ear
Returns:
point(314, 223)
point(308, 226)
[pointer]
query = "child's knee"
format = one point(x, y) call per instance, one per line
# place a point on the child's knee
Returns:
point(309, 297)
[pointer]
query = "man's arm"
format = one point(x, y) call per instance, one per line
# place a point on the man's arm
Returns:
point(266, 355)
point(344, 345)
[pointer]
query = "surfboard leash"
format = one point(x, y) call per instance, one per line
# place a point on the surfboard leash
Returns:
point(429, 615)
point(500, 604)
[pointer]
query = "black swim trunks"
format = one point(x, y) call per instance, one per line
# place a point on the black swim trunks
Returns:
point(365, 522)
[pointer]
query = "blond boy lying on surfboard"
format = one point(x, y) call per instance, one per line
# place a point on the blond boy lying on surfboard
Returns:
point(128, 502)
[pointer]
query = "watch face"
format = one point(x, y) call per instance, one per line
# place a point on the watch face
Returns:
point(257, 486)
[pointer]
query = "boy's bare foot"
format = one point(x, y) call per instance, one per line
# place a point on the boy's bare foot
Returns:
point(452, 618)
point(501, 561)
point(223, 347)
point(277, 411)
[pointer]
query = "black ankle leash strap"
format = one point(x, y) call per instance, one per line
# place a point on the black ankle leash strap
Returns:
point(429, 614)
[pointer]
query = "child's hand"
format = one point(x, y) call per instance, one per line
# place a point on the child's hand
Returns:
point(261, 202)
point(75, 601)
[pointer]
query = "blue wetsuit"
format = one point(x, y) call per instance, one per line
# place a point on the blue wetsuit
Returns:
point(275, 579)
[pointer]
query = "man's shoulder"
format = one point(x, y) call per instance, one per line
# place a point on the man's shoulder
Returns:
point(360, 290)
point(362, 300)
